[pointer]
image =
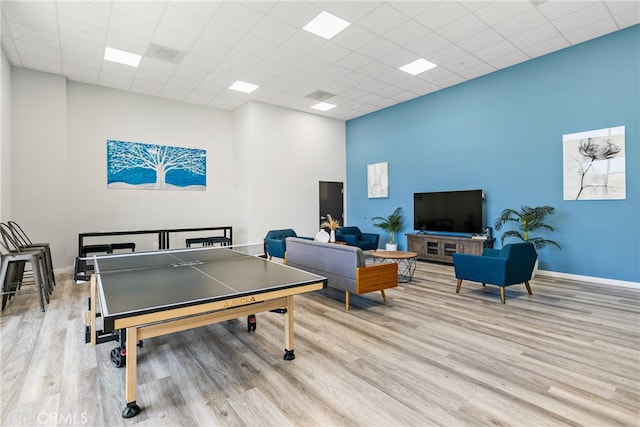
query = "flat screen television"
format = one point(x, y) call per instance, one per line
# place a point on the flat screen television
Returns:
point(449, 211)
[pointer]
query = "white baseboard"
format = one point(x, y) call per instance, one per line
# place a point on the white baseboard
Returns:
point(598, 280)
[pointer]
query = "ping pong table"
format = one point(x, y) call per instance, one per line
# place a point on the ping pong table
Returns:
point(149, 294)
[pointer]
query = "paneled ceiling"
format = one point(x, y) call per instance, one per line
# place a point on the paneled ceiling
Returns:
point(193, 51)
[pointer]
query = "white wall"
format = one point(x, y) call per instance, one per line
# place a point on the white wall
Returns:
point(39, 195)
point(281, 155)
point(263, 163)
point(5, 138)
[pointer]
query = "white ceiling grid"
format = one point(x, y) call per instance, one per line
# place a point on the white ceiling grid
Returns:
point(208, 45)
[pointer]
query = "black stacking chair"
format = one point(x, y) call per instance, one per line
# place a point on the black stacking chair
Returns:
point(24, 242)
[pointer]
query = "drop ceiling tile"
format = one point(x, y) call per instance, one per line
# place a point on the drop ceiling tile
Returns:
point(256, 46)
point(131, 26)
point(310, 64)
point(335, 72)
point(497, 50)
point(74, 59)
point(496, 12)
point(14, 58)
point(197, 62)
point(395, 76)
point(463, 63)
point(238, 16)
point(547, 46)
point(273, 30)
point(382, 19)
point(304, 41)
point(210, 50)
point(146, 88)
point(183, 21)
point(450, 80)
point(149, 75)
point(84, 11)
point(379, 47)
point(21, 13)
point(151, 64)
point(429, 44)
point(204, 9)
point(376, 69)
point(190, 73)
point(150, 11)
point(78, 73)
point(406, 33)
point(478, 70)
point(126, 43)
point(354, 37)
point(373, 85)
point(463, 28)
point(8, 44)
point(441, 15)
point(33, 35)
point(553, 10)
point(91, 33)
point(354, 61)
point(627, 19)
point(179, 82)
point(352, 11)
point(447, 54)
point(222, 34)
point(173, 39)
point(240, 59)
point(480, 40)
point(172, 92)
point(43, 6)
point(330, 52)
point(285, 56)
point(41, 64)
point(532, 18)
point(535, 36)
point(508, 60)
point(354, 79)
point(581, 18)
point(38, 50)
point(295, 13)
point(412, 8)
point(595, 29)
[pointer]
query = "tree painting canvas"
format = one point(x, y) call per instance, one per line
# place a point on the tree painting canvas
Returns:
point(594, 164)
point(155, 167)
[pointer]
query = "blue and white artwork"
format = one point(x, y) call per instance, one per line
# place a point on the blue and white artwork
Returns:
point(137, 165)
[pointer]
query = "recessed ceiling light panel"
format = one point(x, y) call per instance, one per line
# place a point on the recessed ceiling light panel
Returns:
point(323, 106)
point(122, 57)
point(326, 25)
point(243, 87)
point(419, 66)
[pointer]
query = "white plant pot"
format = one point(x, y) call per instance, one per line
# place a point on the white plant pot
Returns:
point(332, 236)
point(392, 246)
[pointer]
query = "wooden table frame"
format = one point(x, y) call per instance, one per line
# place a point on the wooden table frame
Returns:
point(155, 324)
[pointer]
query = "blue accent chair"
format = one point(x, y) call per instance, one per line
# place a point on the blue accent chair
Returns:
point(274, 242)
point(354, 237)
point(513, 264)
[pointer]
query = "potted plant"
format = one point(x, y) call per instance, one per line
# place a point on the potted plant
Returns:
point(332, 225)
point(393, 223)
point(529, 220)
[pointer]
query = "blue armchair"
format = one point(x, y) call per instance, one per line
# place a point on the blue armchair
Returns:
point(508, 266)
point(354, 237)
point(274, 242)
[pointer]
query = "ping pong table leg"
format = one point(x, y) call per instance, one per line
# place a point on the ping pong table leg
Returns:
point(288, 330)
point(132, 408)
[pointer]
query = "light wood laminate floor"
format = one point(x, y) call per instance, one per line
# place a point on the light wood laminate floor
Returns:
point(567, 356)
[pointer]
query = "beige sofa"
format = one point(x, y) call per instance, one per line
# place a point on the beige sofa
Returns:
point(343, 266)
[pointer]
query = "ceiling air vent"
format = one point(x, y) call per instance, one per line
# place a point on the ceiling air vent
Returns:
point(320, 95)
point(165, 54)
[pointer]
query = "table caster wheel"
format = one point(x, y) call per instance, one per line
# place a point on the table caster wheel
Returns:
point(119, 357)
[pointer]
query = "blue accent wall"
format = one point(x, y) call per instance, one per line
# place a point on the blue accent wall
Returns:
point(503, 133)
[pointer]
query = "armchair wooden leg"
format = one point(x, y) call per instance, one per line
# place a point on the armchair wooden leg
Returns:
point(346, 300)
point(502, 294)
point(384, 297)
point(528, 287)
point(458, 286)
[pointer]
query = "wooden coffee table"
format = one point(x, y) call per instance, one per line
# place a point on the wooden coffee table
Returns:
point(406, 262)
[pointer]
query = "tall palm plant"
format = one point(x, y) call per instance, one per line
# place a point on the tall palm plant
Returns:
point(529, 220)
point(392, 224)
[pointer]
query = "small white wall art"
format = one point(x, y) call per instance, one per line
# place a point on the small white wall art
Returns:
point(594, 164)
point(155, 167)
point(378, 180)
